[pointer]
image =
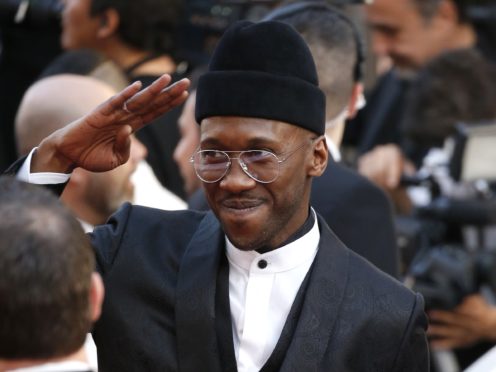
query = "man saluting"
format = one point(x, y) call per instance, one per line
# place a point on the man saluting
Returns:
point(260, 283)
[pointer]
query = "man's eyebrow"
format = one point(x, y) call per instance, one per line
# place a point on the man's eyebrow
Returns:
point(263, 141)
point(209, 141)
point(385, 28)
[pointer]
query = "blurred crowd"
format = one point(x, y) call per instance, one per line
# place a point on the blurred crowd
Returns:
point(411, 134)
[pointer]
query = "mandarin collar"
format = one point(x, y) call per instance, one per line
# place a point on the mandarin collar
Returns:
point(282, 259)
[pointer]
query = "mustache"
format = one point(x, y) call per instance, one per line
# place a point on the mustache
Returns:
point(241, 201)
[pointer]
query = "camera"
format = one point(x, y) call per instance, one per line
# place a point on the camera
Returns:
point(447, 271)
point(448, 243)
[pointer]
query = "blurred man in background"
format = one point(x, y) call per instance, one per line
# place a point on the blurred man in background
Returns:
point(51, 104)
point(139, 37)
point(410, 33)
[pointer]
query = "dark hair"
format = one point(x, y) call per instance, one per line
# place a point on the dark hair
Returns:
point(145, 24)
point(459, 86)
point(428, 8)
point(335, 45)
point(46, 264)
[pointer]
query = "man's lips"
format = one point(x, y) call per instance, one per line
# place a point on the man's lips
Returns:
point(241, 204)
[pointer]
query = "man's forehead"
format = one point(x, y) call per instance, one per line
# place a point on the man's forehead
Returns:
point(243, 122)
point(246, 128)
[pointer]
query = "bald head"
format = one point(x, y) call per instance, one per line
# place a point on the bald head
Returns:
point(54, 102)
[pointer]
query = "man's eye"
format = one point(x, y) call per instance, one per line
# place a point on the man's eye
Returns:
point(258, 156)
point(213, 156)
point(386, 31)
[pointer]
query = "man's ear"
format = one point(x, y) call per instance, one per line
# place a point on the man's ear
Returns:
point(356, 95)
point(97, 293)
point(320, 157)
point(109, 23)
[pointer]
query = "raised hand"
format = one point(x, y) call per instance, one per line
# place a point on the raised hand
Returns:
point(474, 320)
point(384, 166)
point(100, 141)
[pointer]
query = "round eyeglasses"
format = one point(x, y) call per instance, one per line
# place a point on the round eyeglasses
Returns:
point(261, 165)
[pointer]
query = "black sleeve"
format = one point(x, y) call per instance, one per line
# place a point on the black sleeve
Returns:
point(106, 239)
point(413, 354)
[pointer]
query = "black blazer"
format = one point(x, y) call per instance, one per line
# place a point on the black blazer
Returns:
point(359, 213)
point(161, 273)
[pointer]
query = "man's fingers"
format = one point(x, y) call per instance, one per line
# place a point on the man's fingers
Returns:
point(446, 317)
point(383, 165)
point(144, 98)
point(117, 101)
point(448, 337)
point(444, 344)
point(162, 108)
point(394, 173)
point(438, 330)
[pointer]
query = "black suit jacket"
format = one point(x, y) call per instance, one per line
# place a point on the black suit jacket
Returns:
point(161, 273)
point(359, 213)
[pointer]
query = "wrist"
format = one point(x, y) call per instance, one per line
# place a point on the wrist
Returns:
point(47, 159)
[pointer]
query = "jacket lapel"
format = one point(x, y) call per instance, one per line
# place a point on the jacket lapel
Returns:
point(223, 318)
point(195, 299)
point(322, 300)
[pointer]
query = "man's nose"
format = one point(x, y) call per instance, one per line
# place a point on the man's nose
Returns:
point(381, 44)
point(236, 180)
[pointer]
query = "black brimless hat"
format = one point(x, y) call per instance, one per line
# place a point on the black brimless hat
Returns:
point(262, 70)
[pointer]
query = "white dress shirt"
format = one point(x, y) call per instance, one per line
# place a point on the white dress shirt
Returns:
point(149, 192)
point(333, 149)
point(54, 367)
point(25, 175)
point(262, 289)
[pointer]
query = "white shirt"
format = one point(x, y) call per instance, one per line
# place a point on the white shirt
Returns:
point(25, 175)
point(149, 192)
point(54, 367)
point(261, 298)
point(333, 149)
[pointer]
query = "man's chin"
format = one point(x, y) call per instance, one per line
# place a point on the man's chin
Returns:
point(247, 236)
point(245, 243)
